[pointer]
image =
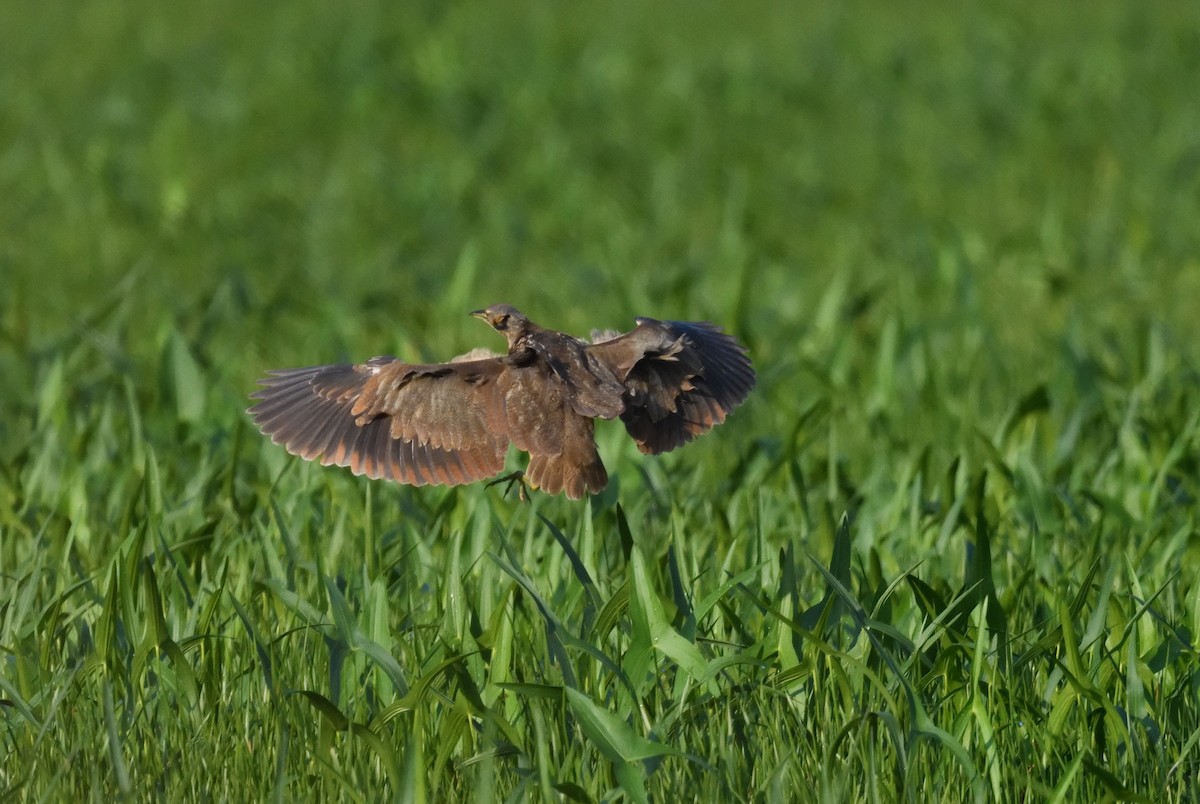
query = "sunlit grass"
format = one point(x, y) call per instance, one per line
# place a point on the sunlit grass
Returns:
point(946, 551)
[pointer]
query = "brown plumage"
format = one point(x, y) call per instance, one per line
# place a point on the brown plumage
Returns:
point(451, 423)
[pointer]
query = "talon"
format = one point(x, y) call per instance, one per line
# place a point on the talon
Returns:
point(517, 478)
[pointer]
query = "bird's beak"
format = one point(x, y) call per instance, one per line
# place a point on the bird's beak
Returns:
point(479, 314)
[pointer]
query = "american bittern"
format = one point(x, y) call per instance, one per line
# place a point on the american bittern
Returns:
point(451, 423)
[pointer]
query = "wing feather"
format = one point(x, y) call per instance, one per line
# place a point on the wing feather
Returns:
point(681, 378)
point(417, 424)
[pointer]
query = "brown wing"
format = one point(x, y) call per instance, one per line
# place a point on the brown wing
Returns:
point(681, 379)
point(413, 424)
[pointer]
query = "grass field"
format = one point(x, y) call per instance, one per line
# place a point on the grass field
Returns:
point(947, 551)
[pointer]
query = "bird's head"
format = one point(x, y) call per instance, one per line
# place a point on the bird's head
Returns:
point(505, 319)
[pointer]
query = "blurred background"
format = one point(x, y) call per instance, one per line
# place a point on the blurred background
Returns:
point(303, 182)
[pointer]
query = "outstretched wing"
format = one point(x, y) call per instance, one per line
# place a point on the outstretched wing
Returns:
point(681, 379)
point(417, 424)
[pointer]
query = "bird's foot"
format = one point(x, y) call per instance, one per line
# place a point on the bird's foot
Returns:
point(515, 478)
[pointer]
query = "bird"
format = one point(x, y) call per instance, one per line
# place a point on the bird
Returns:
point(451, 423)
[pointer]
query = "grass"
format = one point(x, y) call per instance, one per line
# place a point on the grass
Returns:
point(947, 551)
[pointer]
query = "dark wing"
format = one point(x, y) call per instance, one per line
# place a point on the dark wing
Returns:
point(681, 379)
point(415, 424)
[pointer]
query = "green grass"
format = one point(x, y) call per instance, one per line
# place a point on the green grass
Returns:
point(948, 550)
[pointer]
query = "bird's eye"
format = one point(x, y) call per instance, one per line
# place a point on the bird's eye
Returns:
point(502, 321)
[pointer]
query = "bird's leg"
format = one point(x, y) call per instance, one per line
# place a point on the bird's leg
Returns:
point(518, 478)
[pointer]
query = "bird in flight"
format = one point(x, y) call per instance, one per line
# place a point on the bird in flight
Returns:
point(451, 423)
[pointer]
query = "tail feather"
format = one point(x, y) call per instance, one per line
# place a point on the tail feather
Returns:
point(556, 473)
